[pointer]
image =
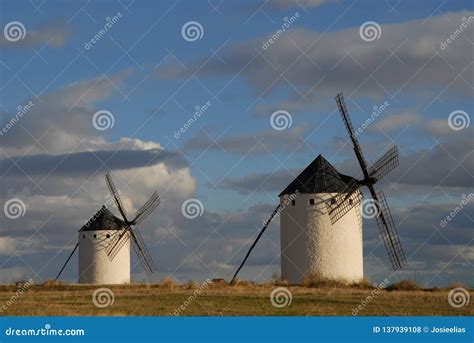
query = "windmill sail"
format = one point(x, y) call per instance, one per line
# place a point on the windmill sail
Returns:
point(385, 164)
point(339, 205)
point(389, 234)
point(141, 214)
point(344, 201)
point(147, 208)
point(117, 243)
point(127, 231)
point(341, 104)
point(142, 251)
point(116, 194)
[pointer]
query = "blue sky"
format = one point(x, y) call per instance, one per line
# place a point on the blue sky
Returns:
point(151, 80)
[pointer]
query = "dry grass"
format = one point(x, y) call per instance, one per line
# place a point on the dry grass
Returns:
point(220, 298)
point(318, 282)
point(52, 284)
point(404, 285)
point(315, 281)
point(168, 283)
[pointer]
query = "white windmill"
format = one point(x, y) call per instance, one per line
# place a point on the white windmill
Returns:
point(310, 243)
point(321, 228)
point(104, 243)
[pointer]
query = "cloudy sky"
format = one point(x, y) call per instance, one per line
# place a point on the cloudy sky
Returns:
point(110, 86)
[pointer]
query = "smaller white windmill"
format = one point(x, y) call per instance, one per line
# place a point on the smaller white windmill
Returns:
point(104, 243)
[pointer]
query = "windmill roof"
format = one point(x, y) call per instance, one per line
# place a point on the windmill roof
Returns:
point(103, 220)
point(319, 176)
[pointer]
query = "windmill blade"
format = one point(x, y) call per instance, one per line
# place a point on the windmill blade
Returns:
point(142, 252)
point(341, 104)
point(138, 245)
point(104, 240)
point(338, 205)
point(385, 164)
point(115, 194)
point(117, 243)
point(389, 233)
point(147, 208)
point(265, 225)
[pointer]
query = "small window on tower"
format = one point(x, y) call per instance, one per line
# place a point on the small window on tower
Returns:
point(350, 202)
point(84, 236)
point(293, 202)
point(95, 236)
point(107, 235)
point(311, 201)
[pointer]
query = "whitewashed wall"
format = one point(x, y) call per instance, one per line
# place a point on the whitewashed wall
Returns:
point(310, 244)
point(95, 267)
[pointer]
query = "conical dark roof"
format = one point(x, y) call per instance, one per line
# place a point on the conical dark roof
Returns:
point(103, 220)
point(319, 176)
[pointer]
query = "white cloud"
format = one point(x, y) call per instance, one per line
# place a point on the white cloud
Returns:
point(398, 121)
point(281, 4)
point(54, 34)
point(13, 274)
point(61, 121)
point(407, 58)
point(7, 246)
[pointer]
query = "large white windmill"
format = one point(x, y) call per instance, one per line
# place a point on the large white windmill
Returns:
point(104, 243)
point(321, 228)
point(310, 243)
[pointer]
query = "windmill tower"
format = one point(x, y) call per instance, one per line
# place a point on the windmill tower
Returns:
point(104, 243)
point(310, 243)
point(95, 267)
point(321, 229)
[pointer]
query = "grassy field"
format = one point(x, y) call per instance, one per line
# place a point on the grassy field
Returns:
point(223, 300)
